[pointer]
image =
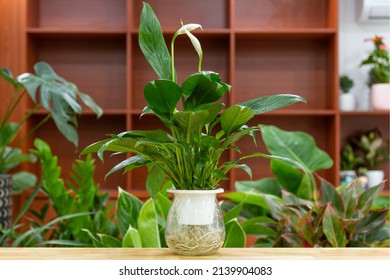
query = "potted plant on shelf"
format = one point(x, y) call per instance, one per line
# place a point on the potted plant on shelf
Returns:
point(347, 100)
point(371, 150)
point(349, 161)
point(46, 90)
point(379, 74)
point(188, 157)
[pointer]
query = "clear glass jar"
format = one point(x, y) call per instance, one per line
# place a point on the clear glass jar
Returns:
point(194, 225)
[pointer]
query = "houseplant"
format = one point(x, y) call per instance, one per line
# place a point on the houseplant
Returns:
point(281, 211)
point(347, 100)
point(188, 157)
point(371, 150)
point(379, 74)
point(349, 161)
point(46, 90)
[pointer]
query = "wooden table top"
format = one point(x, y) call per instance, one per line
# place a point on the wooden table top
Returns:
point(222, 254)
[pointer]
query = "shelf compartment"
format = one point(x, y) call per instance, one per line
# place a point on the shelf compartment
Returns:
point(352, 123)
point(215, 58)
point(96, 65)
point(90, 130)
point(319, 127)
point(209, 14)
point(280, 14)
point(73, 14)
point(296, 66)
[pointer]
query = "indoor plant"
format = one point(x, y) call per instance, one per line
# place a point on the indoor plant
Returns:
point(347, 100)
point(281, 211)
point(379, 74)
point(371, 150)
point(46, 90)
point(188, 156)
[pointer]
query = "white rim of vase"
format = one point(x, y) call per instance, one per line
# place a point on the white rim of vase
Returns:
point(219, 190)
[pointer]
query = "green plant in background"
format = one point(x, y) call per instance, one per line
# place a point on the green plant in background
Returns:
point(78, 205)
point(379, 60)
point(189, 156)
point(370, 148)
point(346, 83)
point(282, 211)
point(349, 160)
point(80, 195)
point(46, 90)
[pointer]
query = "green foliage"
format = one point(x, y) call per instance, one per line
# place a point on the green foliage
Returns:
point(370, 149)
point(380, 61)
point(282, 212)
point(81, 195)
point(189, 154)
point(49, 91)
point(346, 83)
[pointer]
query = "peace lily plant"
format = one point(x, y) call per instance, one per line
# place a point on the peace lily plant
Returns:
point(200, 129)
point(188, 156)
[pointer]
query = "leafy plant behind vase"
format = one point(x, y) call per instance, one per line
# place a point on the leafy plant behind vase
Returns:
point(49, 91)
point(189, 154)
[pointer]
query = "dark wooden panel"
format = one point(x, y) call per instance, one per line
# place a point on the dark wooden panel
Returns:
point(210, 14)
point(281, 13)
point(96, 66)
point(265, 67)
point(95, 14)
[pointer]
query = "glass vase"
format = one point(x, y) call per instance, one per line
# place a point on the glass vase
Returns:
point(194, 225)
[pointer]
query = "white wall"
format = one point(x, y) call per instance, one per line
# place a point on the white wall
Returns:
point(353, 49)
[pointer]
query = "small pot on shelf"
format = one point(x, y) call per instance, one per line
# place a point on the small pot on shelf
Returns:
point(380, 96)
point(375, 177)
point(347, 102)
point(194, 225)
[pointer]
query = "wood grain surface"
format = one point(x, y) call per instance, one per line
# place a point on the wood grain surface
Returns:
point(223, 254)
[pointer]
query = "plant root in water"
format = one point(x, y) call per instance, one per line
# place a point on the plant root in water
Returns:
point(195, 240)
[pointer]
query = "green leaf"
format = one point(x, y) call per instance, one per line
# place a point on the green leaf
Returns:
point(162, 96)
point(189, 121)
point(109, 241)
point(235, 235)
point(132, 239)
point(333, 228)
point(59, 97)
point(23, 180)
point(366, 199)
point(127, 209)
point(235, 117)
point(155, 180)
point(233, 212)
point(8, 133)
point(163, 204)
point(148, 225)
point(298, 146)
point(291, 179)
point(152, 43)
point(205, 92)
point(266, 185)
point(330, 195)
point(269, 103)
point(374, 221)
